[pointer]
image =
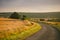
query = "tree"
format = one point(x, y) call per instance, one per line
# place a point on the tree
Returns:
point(15, 16)
point(24, 17)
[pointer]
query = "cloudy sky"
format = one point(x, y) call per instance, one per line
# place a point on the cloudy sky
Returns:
point(29, 5)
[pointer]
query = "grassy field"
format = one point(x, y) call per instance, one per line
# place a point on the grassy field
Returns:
point(34, 15)
point(11, 29)
point(24, 34)
point(30, 32)
point(55, 24)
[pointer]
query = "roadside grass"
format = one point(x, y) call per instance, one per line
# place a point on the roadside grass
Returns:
point(55, 24)
point(30, 32)
point(21, 32)
point(26, 33)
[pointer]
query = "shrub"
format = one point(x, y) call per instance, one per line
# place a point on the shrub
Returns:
point(15, 16)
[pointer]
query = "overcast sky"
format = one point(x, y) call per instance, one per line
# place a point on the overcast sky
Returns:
point(29, 5)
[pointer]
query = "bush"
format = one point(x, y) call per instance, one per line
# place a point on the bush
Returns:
point(15, 16)
point(24, 17)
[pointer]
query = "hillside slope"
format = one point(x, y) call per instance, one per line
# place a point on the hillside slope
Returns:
point(13, 29)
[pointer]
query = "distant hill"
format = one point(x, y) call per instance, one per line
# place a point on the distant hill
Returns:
point(34, 15)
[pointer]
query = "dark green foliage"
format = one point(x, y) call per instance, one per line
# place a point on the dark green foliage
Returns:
point(15, 16)
point(24, 17)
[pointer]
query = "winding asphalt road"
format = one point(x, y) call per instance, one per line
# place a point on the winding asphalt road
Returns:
point(46, 33)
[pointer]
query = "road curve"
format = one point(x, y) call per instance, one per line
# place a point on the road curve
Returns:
point(46, 33)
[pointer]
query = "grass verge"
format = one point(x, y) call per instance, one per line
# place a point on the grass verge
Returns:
point(26, 33)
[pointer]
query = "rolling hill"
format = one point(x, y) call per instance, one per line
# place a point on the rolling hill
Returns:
point(34, 15)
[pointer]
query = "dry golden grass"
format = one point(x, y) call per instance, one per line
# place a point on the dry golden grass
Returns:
point(11, 28)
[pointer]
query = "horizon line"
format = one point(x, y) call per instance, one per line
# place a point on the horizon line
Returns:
point(32, 12)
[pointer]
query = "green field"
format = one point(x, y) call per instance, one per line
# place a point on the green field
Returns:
point(34, 15)
point(55, 24)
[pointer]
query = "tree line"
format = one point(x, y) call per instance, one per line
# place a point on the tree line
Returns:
point(15, 15)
